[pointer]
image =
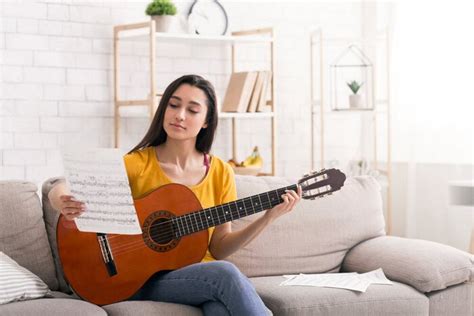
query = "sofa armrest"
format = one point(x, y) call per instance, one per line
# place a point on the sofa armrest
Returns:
point(425, 265)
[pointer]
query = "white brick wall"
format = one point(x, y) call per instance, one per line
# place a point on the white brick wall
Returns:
point(56, 77)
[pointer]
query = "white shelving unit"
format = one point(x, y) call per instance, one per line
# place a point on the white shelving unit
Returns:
point(320, 108)
point(146, 107)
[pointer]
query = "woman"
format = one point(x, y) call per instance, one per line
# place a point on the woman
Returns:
point(175, 150)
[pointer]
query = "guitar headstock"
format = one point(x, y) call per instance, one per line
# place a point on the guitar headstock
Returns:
point(319, 183)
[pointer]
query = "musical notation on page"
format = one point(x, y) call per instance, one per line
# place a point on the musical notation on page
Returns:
point(97, 177)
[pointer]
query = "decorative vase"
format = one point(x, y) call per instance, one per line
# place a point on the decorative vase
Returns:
point(355, 101)
point(162, 22)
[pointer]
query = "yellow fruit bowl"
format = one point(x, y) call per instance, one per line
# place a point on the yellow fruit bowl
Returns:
point(247, 171)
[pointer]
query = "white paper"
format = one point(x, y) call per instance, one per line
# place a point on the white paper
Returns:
point(376, 277)
point(97, 177)
point(350, 281)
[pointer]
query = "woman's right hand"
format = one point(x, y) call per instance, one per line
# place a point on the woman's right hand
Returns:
point(70, 207)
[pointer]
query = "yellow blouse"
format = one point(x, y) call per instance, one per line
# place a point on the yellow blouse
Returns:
point(145, 175)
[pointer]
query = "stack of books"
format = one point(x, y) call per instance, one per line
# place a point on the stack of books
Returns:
point(247, 92)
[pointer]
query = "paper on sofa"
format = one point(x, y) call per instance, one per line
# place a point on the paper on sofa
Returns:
point(350, 281)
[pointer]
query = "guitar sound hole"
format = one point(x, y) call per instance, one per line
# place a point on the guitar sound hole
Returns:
point(158, 231)
point(161, 231)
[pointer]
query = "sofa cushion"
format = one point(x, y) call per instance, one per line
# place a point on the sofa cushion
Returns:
point(396, 299)
point(455, 300)
point(425, 265)
point(151, 308)
point(316, 235)
point(17, 283)
point(51, 217)
point(52, 307)
point(22, 230)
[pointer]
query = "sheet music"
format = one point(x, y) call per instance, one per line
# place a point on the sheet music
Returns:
point(97, 177)
point(351, 281)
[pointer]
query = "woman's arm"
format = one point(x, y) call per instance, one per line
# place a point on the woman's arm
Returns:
point(61, 200)
point(224, 241)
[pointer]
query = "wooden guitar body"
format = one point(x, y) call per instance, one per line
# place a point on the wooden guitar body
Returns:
point(134, 258)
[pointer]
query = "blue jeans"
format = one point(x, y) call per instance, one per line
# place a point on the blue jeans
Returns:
point(217, 287)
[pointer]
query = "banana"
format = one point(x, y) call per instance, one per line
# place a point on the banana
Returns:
point(254, 160)
point(257, 162)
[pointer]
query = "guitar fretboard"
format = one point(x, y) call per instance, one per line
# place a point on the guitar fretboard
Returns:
point(213, 216)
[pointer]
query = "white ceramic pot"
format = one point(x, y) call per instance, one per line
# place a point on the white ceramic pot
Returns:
point(163, 22)
point(355, 101)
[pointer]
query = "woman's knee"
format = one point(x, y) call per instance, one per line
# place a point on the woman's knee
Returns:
point(226, 269)
point(228, 272)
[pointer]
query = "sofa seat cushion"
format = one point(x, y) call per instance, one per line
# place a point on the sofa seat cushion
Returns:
point(316, 235)
point(455, 300)
point(22, 230)
point(151, 308)
point(52, 307)
point(396, 299)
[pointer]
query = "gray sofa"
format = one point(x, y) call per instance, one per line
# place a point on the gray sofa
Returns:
point(342, 232)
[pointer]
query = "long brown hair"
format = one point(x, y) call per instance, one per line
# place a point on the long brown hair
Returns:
point(156, 134)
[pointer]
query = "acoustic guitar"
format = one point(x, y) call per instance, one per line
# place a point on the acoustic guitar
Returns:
point(107, 268)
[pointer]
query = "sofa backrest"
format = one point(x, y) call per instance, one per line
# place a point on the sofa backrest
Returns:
point(22, 230)
point(51, 217)
point(316, 235)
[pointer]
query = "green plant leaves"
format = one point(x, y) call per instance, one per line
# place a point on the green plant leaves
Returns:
point(161, 7)
point(354, 86)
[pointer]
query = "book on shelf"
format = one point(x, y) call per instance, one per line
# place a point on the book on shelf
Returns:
point(257, 91)
point(239, 91)
point(262, 102)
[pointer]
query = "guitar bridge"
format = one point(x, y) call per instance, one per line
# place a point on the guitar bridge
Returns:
point(107, 254)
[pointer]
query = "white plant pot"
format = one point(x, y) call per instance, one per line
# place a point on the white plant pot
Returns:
point(163, 22)
point(355, 101)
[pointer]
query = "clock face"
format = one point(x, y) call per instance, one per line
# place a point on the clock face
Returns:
point(207, 17)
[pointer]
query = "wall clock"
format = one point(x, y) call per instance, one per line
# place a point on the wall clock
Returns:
point(207, 17)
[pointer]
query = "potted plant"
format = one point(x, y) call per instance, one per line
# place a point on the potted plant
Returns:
point(162, 12)
point(355, 100)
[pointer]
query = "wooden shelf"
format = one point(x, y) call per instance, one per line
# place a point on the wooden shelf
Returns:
point(145, 108)
point(317, 103)
point(352, 110)
point(143, 111)
point(255, 115)
point(143, 35)
point(317, 110)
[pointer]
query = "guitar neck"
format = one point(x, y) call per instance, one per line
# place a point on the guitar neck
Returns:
point(203, 219)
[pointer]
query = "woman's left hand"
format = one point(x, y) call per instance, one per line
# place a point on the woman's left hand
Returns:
point(290, 198)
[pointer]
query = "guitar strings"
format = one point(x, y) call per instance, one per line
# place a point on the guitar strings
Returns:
point(187, 217)
point(138, 244)
point(167, 234)
point(135, 245)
